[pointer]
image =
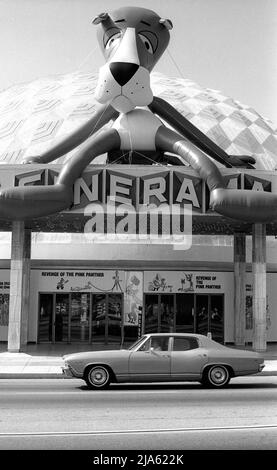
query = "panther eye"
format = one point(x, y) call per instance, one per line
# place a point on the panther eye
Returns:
point(147, 43)
point(114, 39)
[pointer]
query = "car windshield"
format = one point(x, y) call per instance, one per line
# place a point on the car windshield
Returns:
point(137, 343)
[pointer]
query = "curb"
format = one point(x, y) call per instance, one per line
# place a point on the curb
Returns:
point(41, 375)
point(32, 376)
point(267, 373)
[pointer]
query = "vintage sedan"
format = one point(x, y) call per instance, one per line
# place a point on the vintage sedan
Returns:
point(164, 357)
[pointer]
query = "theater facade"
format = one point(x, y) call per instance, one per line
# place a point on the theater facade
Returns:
point(112, 290)
point(116, 306)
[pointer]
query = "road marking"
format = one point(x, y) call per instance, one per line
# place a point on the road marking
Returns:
point(137, 431)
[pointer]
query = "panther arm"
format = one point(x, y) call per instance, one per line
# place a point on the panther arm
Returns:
point(244, 204)
point(101, 117)
point(193, 134)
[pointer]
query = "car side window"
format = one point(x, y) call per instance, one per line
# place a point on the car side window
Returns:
point(184, 344)
point(159, 343)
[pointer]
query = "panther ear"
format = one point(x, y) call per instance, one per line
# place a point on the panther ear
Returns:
point(105, 20)
point(167, 23)
point(100, 18)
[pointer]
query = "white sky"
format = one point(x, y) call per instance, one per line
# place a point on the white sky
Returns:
point(230, 45)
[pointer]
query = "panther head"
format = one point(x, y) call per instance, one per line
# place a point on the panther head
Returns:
point(132, 40)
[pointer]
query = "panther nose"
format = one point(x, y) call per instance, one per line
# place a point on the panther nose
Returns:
point(123, 71)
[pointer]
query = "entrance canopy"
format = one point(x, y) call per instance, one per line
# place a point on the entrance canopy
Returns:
point(135, 186)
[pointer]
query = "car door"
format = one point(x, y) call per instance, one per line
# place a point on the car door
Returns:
point(187, 358)
point(149, 363)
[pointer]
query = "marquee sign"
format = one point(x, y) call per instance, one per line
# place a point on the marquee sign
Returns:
point(133, 186)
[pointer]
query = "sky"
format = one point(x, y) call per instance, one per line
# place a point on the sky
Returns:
point(228, 45)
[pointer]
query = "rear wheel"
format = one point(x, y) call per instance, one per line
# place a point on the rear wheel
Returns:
point(216, 376)
point(97, 377)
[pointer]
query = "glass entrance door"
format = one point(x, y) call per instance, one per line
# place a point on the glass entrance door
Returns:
point(61, 318)
point(46, 309)
point(98, 323)
point(167, 313)
point(159, 313)
point(151, 313)
point(80, 317)
point(53, 318)
point(202, 314)
point(185, 313)
point(114, 317)
point(217, 317)
point(107, 315)
point(210, 315)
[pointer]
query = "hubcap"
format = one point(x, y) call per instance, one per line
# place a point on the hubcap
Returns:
point(98, 376)
point(218, 375)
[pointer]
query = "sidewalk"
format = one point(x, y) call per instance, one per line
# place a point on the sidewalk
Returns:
point(23, 366)
point(44, 361)
point(40, 360)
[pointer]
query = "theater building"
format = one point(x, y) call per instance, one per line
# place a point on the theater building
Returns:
point(84, 289)
point(61, 283)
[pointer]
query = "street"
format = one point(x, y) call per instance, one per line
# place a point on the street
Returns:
point(64, 414)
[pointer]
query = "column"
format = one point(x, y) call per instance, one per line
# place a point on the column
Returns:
point(259, 286)
point(19, 286)
point(239, 287)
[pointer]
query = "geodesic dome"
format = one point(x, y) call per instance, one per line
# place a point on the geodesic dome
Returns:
point(35, 115)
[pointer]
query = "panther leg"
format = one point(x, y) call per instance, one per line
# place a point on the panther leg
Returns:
point(170, 141)
point(27, 202)
point(242, 204)
point(95, 146)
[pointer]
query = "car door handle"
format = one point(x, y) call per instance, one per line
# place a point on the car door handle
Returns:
point(202, 355)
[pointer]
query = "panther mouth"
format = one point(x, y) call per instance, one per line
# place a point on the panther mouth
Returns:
point(136, 92)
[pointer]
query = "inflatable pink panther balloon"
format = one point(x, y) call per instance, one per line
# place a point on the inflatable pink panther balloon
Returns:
point(132, 40)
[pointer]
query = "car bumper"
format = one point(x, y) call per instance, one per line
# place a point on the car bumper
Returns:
point(67, 373)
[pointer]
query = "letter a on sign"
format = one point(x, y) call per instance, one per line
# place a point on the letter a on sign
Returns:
point(257, 186)
point(188, 193)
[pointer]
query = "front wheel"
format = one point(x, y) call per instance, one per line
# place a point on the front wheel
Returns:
point(97, 377)
point(216, 376)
